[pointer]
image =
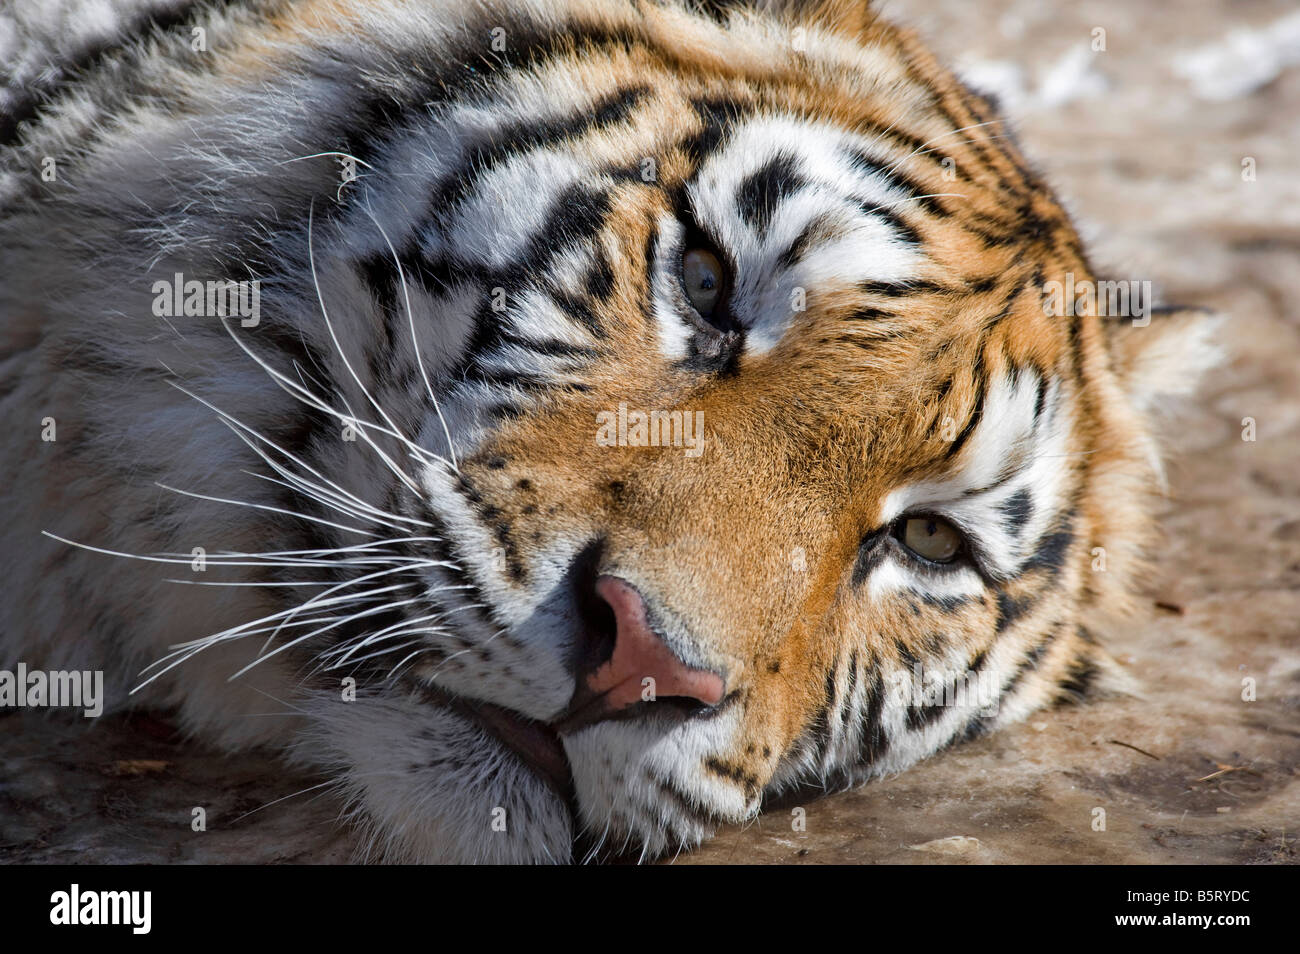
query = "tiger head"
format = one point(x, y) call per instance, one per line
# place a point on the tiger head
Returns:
point(762, 447)
point(726, 393)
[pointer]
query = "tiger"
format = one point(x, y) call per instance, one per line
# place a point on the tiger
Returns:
point(581, 423)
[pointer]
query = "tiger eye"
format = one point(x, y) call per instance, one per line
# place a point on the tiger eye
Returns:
point(702, 278)
point(934, 539)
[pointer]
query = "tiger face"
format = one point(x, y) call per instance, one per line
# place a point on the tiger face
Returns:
point(708, 427)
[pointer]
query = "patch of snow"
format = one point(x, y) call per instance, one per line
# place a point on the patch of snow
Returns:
point(952, 845)
point(1073, 76)
point(1243, 61)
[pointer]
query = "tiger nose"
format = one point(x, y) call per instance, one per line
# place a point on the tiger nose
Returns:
point(640, 654)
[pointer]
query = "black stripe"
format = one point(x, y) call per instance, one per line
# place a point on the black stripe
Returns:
point(867, 313)
point(1083, 669)
point(443, 549)
point(525, 381)
point(1040, 398)
point(575, 215)
point(716, 115)
point(971, 422)
point(550, 347)
point(919, 717)
point(380, 276)
point(905, 231)
point(899, 289)
point(762, 191)
point(874, 741)
point(869, 342)
point(685, 804)
point(526, 136)
point(800, 247)
point(1053, 549)
point(1017, 510)
point(977, 139)
point(1031, 662)
point(990, 323)
point(947, 604)
point(736, 774)
point(821, 730)
point(1011, 608)
point(1080, 676)
point(896, 180)
point(870, 553)
point(909, 658)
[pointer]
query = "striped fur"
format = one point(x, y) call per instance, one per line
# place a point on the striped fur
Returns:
point(396, 471)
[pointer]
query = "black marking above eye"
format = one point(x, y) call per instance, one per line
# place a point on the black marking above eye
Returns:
point(764, 189)
point(1017, 511)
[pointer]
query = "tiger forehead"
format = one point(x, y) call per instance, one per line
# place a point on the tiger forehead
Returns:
point(821, 176)
point(616, 106)
point(713, 80)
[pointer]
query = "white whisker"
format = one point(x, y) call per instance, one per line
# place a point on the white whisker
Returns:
point(329, 325)
point(415, 344)
point(372, 611)
point(267, 507)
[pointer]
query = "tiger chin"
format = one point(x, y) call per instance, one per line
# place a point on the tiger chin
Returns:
point(609, 415)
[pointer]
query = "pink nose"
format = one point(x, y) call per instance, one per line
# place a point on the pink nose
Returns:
point(639, 654)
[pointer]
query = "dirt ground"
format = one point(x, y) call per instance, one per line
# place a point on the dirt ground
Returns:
point(1177, 146)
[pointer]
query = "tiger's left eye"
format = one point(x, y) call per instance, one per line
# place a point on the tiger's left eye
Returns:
point(931, 538)
point(703, 280)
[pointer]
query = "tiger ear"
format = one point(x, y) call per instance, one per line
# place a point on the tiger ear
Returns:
point(1164, 356)
point(850, 17)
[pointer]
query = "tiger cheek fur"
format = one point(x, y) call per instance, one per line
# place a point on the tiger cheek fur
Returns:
point(872, 529)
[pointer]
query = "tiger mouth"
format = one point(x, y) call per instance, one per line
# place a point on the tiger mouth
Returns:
point(536, 744)
point(540, 746)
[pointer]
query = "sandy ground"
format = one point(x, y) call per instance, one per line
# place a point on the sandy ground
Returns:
point(1147, 140)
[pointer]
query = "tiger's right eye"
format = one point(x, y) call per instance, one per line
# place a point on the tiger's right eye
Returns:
point(704, 280)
